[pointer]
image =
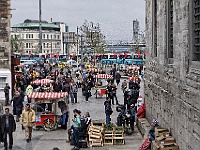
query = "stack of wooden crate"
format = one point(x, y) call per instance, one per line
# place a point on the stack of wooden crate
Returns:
point(96, 134)
point(163, 140)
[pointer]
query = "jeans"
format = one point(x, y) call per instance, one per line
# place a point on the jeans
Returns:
point(7, 100)
point(108, 119)
point(114, 97)
point(75, 97)
point(10, 139)
point(75, 137)
point(18, 113)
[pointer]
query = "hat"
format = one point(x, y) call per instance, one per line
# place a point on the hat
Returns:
point(154, 122)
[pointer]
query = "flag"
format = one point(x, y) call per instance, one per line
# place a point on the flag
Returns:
point(57, 56)
point(138, 54)
point(125, 55)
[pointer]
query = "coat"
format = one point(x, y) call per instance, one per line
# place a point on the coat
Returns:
point(1, 134)
point(28, 118)
point(12, 124)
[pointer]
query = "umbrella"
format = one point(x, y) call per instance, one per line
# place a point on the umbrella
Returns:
point(42, 81)
point(103, 76)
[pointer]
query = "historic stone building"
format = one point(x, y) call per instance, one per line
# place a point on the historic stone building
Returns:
point(5, 59)
point(5, 34)
point(172, 86)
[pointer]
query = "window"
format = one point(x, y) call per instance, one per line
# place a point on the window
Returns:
point(26, 45)
point(27, 36)
point(43, 45)
point(2, 82)
point(196, 26)
point(155, 30)
point(43, 36)
point(170, 29)
point(47, 36)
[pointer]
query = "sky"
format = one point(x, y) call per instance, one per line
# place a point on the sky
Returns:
point(114, 16)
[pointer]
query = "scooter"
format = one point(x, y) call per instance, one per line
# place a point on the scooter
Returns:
point(126, 118)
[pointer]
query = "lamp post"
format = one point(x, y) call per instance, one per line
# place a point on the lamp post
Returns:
point(40, 26)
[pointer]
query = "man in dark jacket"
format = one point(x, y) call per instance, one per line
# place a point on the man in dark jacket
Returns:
point(17, 105)
point(8, 126)
point(118, 77)
point(6, 91)
point(108, 110)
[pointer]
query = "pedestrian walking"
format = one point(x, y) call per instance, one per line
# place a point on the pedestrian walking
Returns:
point(17, 105)
point(108, 110)
point(118, 77)
point(8, 126)
point(114, 93)
point(28, 121)
point(73, 91)
point(6, 91)
point(76, 127)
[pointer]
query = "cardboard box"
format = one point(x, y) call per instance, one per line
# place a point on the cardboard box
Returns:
point(161, 132)
point(169, 146)
point(164, 140)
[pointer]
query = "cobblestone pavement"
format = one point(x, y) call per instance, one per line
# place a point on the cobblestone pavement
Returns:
point(43, 140)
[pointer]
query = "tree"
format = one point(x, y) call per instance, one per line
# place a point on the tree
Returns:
point(16, 44)
point(93, 36)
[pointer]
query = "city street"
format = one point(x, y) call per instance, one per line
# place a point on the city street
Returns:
point(48, 140)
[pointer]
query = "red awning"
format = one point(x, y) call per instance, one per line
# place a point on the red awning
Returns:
point(48, 95)
point(133, 68)
point(103, 76)
point(42, 81)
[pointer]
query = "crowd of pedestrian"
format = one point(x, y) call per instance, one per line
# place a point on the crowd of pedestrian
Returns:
point(63, 81)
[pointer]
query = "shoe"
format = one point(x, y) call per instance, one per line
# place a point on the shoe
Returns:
point(5, 148)
point(10, 147)
point(27, 140)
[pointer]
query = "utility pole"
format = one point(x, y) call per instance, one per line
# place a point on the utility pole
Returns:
point(40, 26)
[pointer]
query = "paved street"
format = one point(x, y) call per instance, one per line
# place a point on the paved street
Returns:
point(43, 140)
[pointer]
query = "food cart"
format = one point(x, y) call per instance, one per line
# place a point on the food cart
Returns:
point(100, 88)
point(45, 105)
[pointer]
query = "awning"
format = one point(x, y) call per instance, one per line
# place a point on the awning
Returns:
point(48, 95)
point(133, 68)
point(103, 76)
point(42, 81)
point(134, 78)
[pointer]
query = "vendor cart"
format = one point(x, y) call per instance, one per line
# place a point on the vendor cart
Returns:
point(45, 105)
point(101, 89)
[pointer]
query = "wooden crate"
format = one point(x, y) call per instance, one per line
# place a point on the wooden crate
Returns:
point(98, 123)
point(118, 135)
point(95, 143)
point(119, 141)
point(108, 137)
point(108, 141)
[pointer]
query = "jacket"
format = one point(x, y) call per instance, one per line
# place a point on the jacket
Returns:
point(12, 124)
point(28, 118)
point(108, 108)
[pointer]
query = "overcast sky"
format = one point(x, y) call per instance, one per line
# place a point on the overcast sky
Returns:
point(114, 16)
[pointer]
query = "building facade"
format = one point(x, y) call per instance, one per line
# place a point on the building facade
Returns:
point(172, 85)
point(28, 33)
point(5, 58)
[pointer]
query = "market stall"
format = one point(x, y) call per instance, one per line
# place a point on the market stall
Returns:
point(101, 89)
point(46, 106)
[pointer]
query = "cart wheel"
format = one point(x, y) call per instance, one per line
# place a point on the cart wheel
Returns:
point(48, 125)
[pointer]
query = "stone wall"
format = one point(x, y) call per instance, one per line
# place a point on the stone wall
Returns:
point(5, 34)
point(172, 90)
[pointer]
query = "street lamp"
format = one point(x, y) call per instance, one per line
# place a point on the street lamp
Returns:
point(40, 26)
